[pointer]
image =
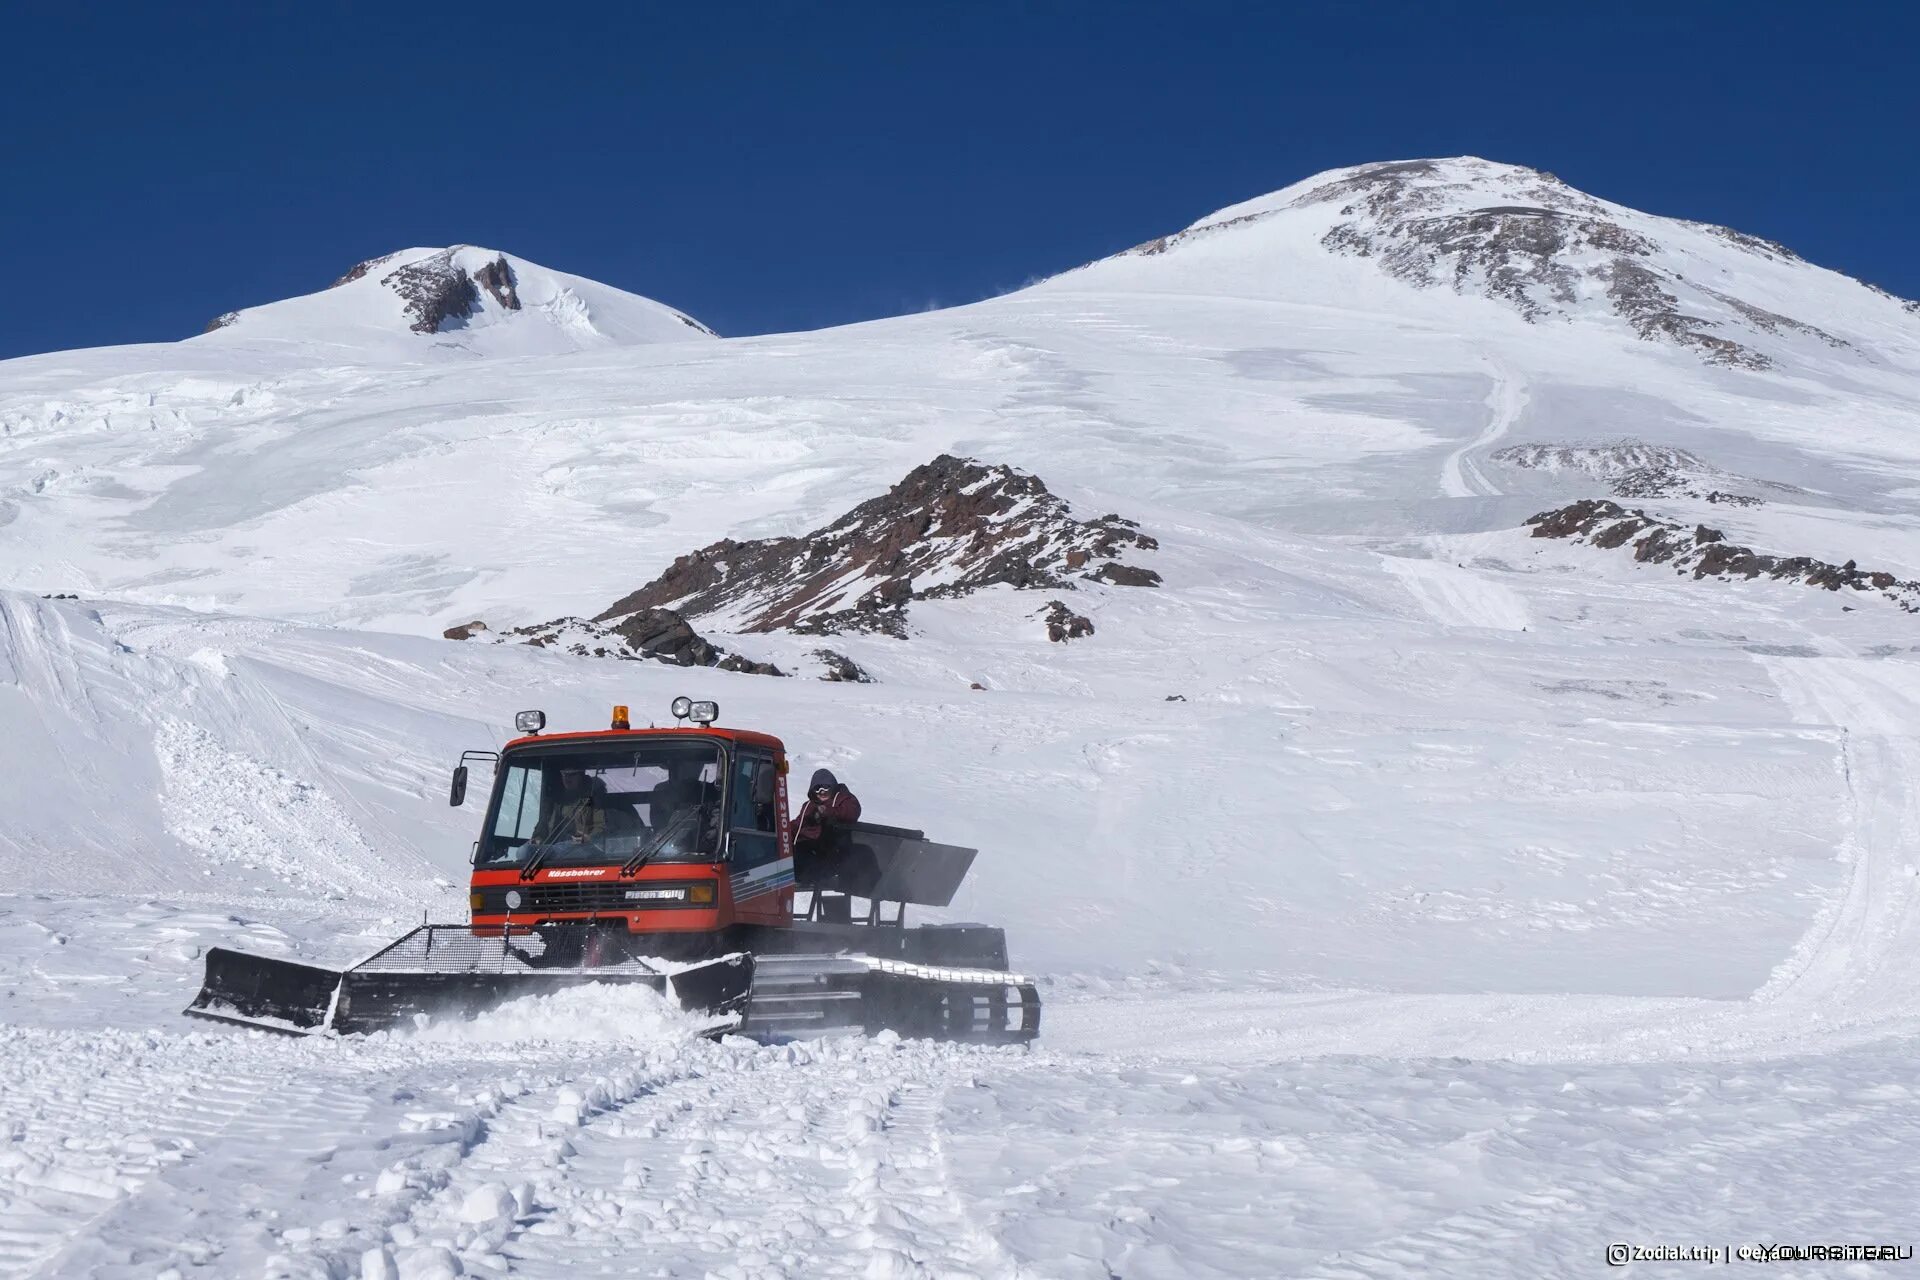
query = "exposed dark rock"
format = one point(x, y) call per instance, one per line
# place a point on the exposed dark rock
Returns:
point(1527, 239)
point(1520, 255)
point(465, 631)
point(1908, 304)
point(435, 291)
point(1705, 552)
point(496, 278)
point(1064, 624)
point(954, 523)
point(867, 619)
point(1176, 697)
point(958, 524)
point(657, 635)
point(438, 291)
point(747, 666)
point(1160, 244)
point(1635, 469)
point(1757, 245)
point(840, 668)
point(221, 321)
point(664, 634)
point(1654, 313)
point(359, 269)
point(1125, 575)
point(1773, 322)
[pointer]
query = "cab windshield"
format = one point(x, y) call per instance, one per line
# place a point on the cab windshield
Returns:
point(658, 800)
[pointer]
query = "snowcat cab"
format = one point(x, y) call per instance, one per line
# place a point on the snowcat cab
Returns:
point(670, 842)
point(662, 856)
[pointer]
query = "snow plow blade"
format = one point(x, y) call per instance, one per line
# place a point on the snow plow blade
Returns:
point(441, 971)
point(260, 991)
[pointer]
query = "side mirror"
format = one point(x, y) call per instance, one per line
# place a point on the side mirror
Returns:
point(458, 792)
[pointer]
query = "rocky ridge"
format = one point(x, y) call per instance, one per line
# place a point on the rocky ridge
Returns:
point(1705, 553)
point(438, 291)
point(443, 290)
point(949, 528)
point(1636, 469)
point(1542, 254)
point(659, 635)
point(1528, 240)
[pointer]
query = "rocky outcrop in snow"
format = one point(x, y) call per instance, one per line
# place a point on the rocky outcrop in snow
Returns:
point(1435, 224)
point(438, 291)
point(1531, 242)
point(1706, 553)
point(1635, 469)
point(838, 668)
point(660, 635)
point(949, 528)
point(1910, 305)
point(1064, 624)
point(496, 278)
point(461, 298)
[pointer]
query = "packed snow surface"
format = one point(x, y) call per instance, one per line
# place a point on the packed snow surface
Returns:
point(1411, 896)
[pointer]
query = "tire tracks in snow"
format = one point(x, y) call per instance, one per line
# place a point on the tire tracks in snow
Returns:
point(1853, 979)
point(1456, 596)
point(109, 1136)
point(1460, 473)
point(1860, 961)
point(751, 1162)
point(123, 1154)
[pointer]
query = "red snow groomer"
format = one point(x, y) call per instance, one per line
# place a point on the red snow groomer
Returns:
point(664, 856)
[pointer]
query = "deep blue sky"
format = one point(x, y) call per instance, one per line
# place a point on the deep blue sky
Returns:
point(782, 166)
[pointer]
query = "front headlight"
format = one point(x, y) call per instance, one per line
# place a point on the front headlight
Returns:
point(474, 900)
point(513, 899)
point(702, 893)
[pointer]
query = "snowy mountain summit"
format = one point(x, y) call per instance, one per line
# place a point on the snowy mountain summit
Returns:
point(1529, 241)
point(467, 298)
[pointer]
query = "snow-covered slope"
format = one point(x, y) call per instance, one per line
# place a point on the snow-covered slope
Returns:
point(1251, 373)
point(458, 301)
point(1374, 775)
point(1526, 240)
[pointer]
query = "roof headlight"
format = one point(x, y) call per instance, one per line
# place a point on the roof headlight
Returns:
point(530, 721)
point(681, 708)
point(704, 712)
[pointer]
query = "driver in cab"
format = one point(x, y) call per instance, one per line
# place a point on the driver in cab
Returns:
point(578, 813)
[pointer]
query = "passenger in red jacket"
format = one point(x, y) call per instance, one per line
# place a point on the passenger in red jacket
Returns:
point(830, 807)
point(820, 843)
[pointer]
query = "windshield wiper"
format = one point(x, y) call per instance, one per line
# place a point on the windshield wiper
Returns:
point(660, 839)
point(560, 819)
point(534, 863)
